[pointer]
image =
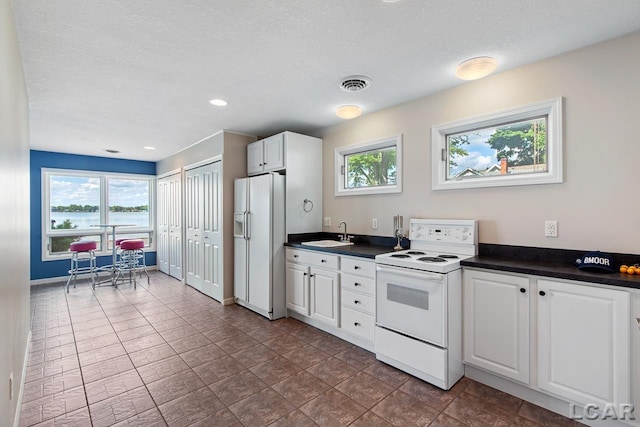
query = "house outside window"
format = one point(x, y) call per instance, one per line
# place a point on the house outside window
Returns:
point(75, 202)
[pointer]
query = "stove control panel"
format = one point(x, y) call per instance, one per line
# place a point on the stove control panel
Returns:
point(445, 231)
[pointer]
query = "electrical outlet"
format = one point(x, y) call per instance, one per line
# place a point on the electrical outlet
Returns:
point(551, 228)
point(374, 223)
point(327, 221)
point(11, 386)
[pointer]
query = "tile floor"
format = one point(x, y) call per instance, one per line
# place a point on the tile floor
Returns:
point(164, 354)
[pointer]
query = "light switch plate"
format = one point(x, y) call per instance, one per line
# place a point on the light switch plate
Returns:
point(327, 221)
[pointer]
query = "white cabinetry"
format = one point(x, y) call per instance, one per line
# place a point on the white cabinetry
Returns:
point(496, 323)
point(266, 155)
point(584, 342)
point(578, 333)
point(358, 297)
point(313, 285)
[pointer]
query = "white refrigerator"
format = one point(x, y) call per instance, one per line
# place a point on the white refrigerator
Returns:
point(258, 244)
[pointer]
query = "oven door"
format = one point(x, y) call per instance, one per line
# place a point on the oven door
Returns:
point(412, 302)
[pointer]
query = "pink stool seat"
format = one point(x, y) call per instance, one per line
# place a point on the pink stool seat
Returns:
point(130, 245)
point(118, 241)
point(83, 246)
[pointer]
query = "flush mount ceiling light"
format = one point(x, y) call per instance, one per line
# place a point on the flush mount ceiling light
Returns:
point(149, 148)
point(348, 111)
point(218, 102)
point(476, 68)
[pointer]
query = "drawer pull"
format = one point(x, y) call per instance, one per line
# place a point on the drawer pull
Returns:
point(356, 302)
point(323, 260)
point(356, 267)
point(356, 324)
point(295, 256)
point(357, 284)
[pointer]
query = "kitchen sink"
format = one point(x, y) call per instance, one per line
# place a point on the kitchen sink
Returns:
point(327, 243)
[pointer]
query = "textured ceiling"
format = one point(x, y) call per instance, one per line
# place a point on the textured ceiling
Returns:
point(124, 74)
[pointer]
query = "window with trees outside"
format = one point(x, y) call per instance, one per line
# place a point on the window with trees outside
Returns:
point(369, 168)
point(520, 146)
point(75, 202)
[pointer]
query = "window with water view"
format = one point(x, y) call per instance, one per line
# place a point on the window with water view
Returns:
point(77, 202)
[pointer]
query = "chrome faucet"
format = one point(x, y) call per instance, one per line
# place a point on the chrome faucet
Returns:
point(344, 237)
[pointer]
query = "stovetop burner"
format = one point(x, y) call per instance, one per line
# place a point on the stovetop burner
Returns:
point(416, 253)
point(431, 259)
point(400, 256)
point(448, 256)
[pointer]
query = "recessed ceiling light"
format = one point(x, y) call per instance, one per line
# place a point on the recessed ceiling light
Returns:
point(112, 151)
point(390, 1)
point(149, 148)
point(218, 102)
point(476, 68)
point(348, 111)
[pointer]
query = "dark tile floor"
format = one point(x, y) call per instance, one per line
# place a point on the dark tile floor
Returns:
point(164, 354)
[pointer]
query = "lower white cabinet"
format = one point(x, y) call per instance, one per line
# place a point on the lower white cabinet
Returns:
point(496, 323)
point(584, 342)
point(333, 292)
point(313, 285)
point(580, 334)
point(297, 288)
point(324, 295)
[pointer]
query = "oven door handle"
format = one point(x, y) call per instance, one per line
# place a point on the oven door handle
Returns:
point(409, 273)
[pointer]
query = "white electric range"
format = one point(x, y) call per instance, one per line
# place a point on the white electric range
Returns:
point(419, 300)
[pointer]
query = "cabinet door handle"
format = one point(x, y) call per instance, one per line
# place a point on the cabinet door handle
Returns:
point(542, 293)
point(311, 275)
point(356, 302)
point(260, 164)
point(356, 284)
point(356, 267)
point(356, 324)
point(265, 163)
point(295, 256)
point(523, 290)
point(304, 274)
point(323, 260)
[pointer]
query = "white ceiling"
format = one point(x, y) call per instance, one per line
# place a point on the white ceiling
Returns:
point(123, 74)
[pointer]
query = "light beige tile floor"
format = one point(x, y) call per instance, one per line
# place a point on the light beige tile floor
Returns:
point(165, 354)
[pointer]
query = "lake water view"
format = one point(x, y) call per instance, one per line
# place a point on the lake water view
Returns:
point(84, 220)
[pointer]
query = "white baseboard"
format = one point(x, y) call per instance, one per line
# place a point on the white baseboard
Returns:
point(63, 279)
point(16, 419)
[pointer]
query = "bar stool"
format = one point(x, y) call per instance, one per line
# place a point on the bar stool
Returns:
point(83, 261)
point(131, 260)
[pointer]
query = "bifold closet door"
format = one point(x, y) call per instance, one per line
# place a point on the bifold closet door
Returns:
point(170, 226)
point(203, 196)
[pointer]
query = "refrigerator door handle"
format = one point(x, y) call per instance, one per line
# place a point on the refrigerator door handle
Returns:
point(247, 225)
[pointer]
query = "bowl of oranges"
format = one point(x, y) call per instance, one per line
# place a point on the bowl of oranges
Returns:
point(633, 269)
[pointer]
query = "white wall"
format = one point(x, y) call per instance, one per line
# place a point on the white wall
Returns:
point(598, 204)
point(14, 205)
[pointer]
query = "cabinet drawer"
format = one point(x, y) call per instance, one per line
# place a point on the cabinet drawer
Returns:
point(358, 323)
point(359, 266)
point(358, 284)
point(318, 259)
point(364, 303)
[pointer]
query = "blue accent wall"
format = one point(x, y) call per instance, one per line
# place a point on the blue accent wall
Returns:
point(44, 159)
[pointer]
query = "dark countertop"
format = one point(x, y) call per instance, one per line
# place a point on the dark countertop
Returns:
point(553, 263)
point(362, 250)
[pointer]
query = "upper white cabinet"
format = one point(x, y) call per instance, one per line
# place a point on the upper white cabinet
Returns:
point(300, 158)
point(496, 323)
point(584, 342)
point(266, 155)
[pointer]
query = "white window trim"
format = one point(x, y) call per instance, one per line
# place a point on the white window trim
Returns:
point(551, 108)
point(104, 232)
point(342, 152)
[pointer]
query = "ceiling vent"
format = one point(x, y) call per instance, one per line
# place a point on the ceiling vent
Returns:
point(354, 83)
